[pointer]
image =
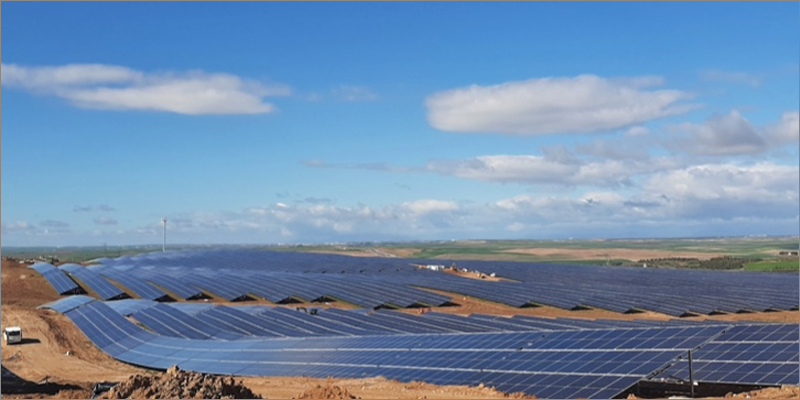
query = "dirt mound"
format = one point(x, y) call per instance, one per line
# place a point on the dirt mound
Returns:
point(177, 384)
point(328, 391)
point(25, 287)
point(783, 392)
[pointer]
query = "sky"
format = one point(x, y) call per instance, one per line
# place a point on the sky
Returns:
point(345, 122)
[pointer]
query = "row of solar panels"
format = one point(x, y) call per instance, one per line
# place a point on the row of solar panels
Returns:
point(587, 363)
point(60, 281)
point(224, 322)
point(278, 288)
point(549, 364)
point(204, 321)
point(770, 353)
point(279, 276)
point(616, 289)
point(699, 291)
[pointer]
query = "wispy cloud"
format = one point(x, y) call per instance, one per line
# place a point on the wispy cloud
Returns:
point(315, 200)
point(17, 226)
point(586, 103)
point(353, 93)
point(373, 166)
point(569, 171)
point(785, 131)
point(732, 134)
point(683, 200)
point(54, 224)
point(725, 191)
point(718, 75)
point(112, 87)
point(91, 208)
point(105, 221)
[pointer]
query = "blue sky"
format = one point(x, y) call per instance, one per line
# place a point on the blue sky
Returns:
point(334, 122)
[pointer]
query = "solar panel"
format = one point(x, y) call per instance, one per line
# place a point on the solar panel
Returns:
point(94, 281)
point(192, 308)
point(169, 321)
point(761, 354)
point(57, 279)
point(140, 287)
point(129, 306)
point(68, 303)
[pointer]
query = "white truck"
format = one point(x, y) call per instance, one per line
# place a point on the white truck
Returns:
point(12, 334)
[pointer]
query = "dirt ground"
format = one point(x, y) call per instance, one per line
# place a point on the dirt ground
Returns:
point(626, 254)
point(60, 362)
point(374, 252)
point(545, 253)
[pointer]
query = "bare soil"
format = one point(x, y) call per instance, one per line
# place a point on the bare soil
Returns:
point(177, 384)
point(549, 253)
point(595, 254)
point(374, 252)
point(783, 392)
point(56, 360)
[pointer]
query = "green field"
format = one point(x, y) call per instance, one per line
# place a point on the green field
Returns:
point(762, 249)
point(773, 266)
point(749, 247)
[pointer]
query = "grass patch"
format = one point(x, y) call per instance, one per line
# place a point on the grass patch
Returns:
point(773, 266)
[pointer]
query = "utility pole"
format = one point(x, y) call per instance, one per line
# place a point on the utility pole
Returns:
point(691, 375)
point(164, 244)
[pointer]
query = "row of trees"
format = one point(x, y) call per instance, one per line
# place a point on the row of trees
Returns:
point(726, 262)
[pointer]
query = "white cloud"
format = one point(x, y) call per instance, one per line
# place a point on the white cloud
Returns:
point(586, 103)
point(426, 206)
point(786, 131)
point(558, 169)
point(17, 226)
point(637, 131)
point(507, 168)
point(112, 87)
point(720, 134)
point(327, 221)
point(42, 78)
point(685, 198)
point(708, 199)
point(726, 191)
point(628, 148)
point(732, 134)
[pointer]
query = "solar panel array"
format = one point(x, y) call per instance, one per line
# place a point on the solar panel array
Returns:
point(205, 320)
point(577, 359)
point(57, 278)
point(622, 289)
point(128, 307)
point(558, 364)
point(546, 357)
point(283, 277)
point(105, 289)
point(134, 283)
point(68, 303)
point(236, 322)
point(749, 354)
